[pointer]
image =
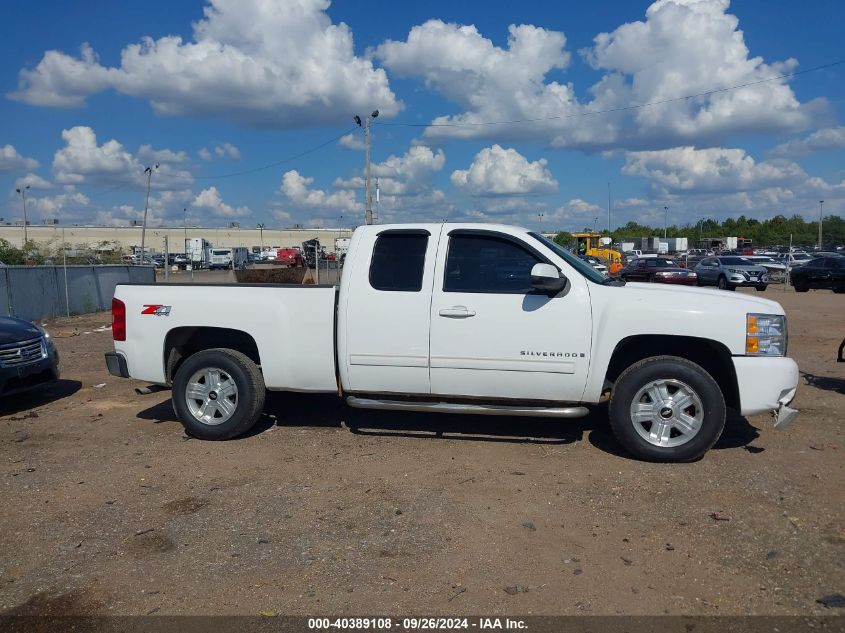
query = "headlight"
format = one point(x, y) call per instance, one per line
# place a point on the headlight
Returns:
point(734, 271)
point(44, 332)
point(765, 335)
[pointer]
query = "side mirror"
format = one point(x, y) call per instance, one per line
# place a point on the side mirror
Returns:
point(546, 278)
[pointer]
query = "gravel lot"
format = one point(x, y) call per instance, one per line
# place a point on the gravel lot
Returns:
point(109, 508)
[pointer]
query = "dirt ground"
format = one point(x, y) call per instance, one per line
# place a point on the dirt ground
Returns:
point(110, 509)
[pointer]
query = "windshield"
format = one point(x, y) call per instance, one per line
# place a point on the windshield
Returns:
point(578, 264)
point(801, 256)
point(735, 261)
point(221, 252)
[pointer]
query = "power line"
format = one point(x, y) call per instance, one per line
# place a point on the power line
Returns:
point(636, 106)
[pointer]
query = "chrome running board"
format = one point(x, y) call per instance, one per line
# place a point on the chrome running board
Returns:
point(473, 409)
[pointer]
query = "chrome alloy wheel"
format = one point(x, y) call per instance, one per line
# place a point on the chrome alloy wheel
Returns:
point(667, 413)
point(211, 396)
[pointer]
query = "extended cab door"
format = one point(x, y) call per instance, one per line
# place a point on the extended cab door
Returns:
point(387, 311)
point(492, 335)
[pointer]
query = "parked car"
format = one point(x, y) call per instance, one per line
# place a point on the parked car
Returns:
point(658, 270)
point(28, 358)
point(793, 260)
point(292, 256)
point(820, 273)
point(728, 272)
point(464, 318)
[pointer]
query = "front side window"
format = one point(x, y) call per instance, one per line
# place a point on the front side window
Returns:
point(398, 262)
point(482, 263)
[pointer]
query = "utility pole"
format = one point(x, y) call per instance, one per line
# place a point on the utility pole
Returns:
point(665, 220)
point(821, 206)
point(368, 198)
point(185, 222)
point(166, 260)
point(22, 191)
point(261, 235)
point(149, 172)
point(608, 208)
point(540, 221)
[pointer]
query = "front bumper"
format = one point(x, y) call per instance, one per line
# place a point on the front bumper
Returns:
point(16, 379)
point(738, 279)
point(767, 384)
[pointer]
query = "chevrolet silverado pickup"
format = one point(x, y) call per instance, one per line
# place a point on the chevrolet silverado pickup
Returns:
point(464, 318)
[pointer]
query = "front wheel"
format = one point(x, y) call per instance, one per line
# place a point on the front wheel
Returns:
point(218, 394)
point(761, 288)
point(667, 409)
point(724, 285)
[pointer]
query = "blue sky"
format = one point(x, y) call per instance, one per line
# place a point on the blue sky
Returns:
point(94, 91)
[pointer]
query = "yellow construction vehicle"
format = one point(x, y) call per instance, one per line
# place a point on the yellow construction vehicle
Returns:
point(591, 244)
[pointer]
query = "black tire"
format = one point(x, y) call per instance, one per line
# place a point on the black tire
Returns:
point(672, 368)
point(723, 284)
point(800, 287)
point(250, 393)
point(761, 288)
point(839, 288)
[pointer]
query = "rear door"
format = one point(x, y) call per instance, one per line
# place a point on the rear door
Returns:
point(388, 312)
point(492, 336)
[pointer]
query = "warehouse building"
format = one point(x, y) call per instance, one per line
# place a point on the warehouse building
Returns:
point(125, 238)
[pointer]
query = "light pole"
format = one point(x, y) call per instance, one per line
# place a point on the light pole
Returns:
point(149, 172)
point(22, 191)
point(540, 220)
point(368, 198)
point(185, 222)
point(261, 235)
point(821, 206)
point(665, 220)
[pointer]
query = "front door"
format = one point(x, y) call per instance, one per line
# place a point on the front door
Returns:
point(492, 336)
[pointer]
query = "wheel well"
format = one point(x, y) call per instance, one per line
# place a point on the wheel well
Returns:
point(182, 342)
point(712, 356)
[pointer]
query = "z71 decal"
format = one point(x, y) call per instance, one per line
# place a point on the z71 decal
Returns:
point(156, 309)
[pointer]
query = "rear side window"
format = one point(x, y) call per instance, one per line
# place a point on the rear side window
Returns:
point(398, 262)
point(487, 264)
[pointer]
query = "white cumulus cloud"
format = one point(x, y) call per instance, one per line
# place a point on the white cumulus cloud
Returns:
point(276, 63)
point(11, 160)
point(826, 139)
point(298, 191)
point(210, 200)
point(711, 169)
point(682, 48)
point(83, 160)
point(499, 171)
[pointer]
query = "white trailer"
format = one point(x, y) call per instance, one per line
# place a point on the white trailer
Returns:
point(198, 252)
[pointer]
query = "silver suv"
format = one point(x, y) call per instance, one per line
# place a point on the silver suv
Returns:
point(729, 271)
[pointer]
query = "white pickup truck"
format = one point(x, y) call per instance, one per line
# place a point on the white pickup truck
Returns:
point(464, 318)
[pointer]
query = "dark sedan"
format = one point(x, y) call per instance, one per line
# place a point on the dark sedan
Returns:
point(821, 272)
point(658, 270)
point(28, 358)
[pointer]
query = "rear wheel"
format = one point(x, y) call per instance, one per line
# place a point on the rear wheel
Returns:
point(218, 394)
point(667, 409)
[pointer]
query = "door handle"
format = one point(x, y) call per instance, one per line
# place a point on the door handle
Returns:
point(457, 312)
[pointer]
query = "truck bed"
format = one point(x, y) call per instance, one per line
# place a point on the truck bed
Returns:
point(292, 325)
